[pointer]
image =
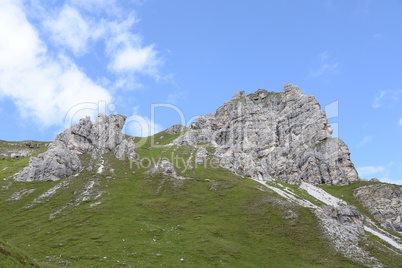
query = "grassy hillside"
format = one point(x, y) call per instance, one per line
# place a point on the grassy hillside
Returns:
point(10, 165)
point(11, 257)
point(207, 217)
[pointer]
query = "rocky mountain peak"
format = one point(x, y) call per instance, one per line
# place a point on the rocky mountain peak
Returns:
point(101, 137)
point(85, 137)
point(291, 90)
point(175, 129)
point(267, 135)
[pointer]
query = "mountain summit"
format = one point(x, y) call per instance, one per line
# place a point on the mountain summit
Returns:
point(61, 160)
point(267, 135)
point(264, 135)
point(260, 183)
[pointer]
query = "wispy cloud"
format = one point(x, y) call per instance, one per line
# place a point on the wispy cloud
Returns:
point(386, 97)
point(382, 173)
point(70, 30)
point(174, 98)
point(42, 86)
point(364, 141)
point(400, 122)
point(327, 65)
point(369, 172)
point(38, 55)
point(141, 126)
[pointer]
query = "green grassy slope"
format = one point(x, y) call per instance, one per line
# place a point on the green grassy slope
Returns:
point(11, 257)
point(10, 165)
point(208, 218)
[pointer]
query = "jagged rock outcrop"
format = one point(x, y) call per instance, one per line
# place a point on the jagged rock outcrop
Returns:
point(101, 137)
point(126, 149)
point(61, 160)
point(345, 215)
point(175, 129)
point(268, 135)
point(384, 202)
point(58, 162)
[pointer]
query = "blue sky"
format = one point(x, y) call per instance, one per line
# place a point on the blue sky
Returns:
point(60, 60)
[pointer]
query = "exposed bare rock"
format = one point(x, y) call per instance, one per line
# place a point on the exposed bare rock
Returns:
point(384, 202)
point(344, 228)
point(164, 167)
point(126, 149)
point(345, 215)
point(58, 162)
point(61, 160)
point(20, 194)
point(46, 196)
point(200, 155)
point(268, 135)
point(99, 138)
point(175, 129)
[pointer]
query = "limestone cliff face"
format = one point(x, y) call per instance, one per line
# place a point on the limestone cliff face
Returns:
point(384, 202)
point(61, 160)
point(268, 135)
point(101, 137)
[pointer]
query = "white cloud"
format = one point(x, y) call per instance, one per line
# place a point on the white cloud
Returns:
point(400, 122)
point(126, 52)
point(74, 29)
point(382, 173)
point(377, 101)
point(141, 126)
point(366, 140)
point(135, 59)
point(325, 68)
point(386, 97)
point(371, 172)
point(326, 65)
point(69, 29)
point(174, 98)
point(43, 88)
point(99, 6)
point(388, 180)
point(44, 82)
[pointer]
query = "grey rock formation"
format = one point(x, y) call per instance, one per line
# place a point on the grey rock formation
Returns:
point(175, 129)
point(200, 155)
point(58, 162)
point(345, 215)
point(343, 226)
point(268, 135)
point(99, 138)
point(163, 167)
point(61, 160)
point(126, 149)
point(384, 202)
